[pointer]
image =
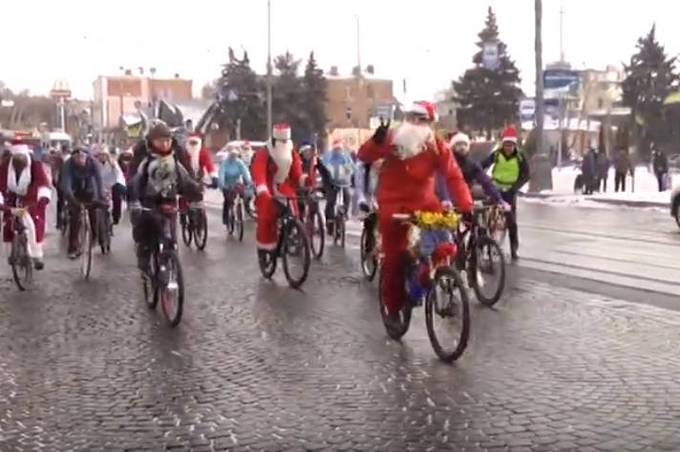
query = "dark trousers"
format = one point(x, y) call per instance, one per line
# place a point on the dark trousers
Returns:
point(511, 219)
point(332, 196)
point(620, 181)
point(117, 194)
point(659, 179)
point(60, 206)
point(74, 226)
point(603, 181)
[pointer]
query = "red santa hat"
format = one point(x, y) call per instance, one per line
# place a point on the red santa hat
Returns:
point(424, 108)
point(510, 135)
point(281, 132)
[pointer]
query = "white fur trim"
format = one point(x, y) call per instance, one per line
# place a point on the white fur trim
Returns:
point(281, 132)
point(20, 149)
point(261, 189)
point(2, 199)
point(45, 192)
point(34, 249)
point(20, 187)
point(460, 138)
point(510, 140)
point(266, 246)
point(303, 179)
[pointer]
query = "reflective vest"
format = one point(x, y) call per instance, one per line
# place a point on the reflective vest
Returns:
point(505, 170)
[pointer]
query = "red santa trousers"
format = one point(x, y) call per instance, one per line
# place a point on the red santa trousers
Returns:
point(34, 223)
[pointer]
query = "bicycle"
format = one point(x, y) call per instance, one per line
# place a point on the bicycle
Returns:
point(19, 258)
point(194, 222)
point(165, 280)
point(292, 242)
point(85, 240)
point(104, 228)
point(478, 254)
point(431, 277)
point(340, 219)
point(235, 215)
point(314, 222)
point(369, 244)
point(496, 224)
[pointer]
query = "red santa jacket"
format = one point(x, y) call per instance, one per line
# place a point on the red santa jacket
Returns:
point(39, 186)
point(264, 168)
point(408, 184)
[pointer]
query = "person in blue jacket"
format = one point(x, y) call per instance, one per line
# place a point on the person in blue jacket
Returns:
point(233, 174)
point(341, 168)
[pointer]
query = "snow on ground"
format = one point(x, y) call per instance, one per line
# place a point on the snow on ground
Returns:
point(646, 190)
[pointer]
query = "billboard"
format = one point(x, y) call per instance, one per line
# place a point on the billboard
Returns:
point(560, 79)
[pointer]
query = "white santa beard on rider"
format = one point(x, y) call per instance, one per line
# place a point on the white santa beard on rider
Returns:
point(282, 154)
point(412, 139)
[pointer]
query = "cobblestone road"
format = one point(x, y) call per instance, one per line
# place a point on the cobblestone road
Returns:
point(258, 366)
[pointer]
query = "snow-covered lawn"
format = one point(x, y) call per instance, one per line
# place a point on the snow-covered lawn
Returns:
point(646, 190)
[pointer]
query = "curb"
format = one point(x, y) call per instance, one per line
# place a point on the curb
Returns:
point(611, 202)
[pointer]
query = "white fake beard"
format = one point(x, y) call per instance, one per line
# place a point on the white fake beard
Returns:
point(194, 153)
point(282, 154)
point(411, 139)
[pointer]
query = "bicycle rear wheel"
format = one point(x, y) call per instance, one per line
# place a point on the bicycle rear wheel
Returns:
point(187, 228)
point(267, 262)
point(487, 272)
point(239, 220)
point(201, 229)
point(171, 289)
point(339, 238)
point(85, 247)
point(394, 330)
point(22, 267)
point(296, 254)
point(447, 315)
point(317, 233)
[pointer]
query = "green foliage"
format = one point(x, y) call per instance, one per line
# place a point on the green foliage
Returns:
point(488, 99)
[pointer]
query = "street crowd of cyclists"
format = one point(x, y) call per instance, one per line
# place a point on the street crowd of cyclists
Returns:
point(433, 218)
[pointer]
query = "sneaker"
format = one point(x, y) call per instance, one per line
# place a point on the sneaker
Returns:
point(73, 255)
point(38, 264)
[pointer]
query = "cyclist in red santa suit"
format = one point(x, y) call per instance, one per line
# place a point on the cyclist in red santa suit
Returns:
point(413, 155)
point(276, 171)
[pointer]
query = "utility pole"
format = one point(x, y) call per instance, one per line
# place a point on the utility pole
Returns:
point(562, 60)
point(356, 16)
point(542, 166)
point(269, 66)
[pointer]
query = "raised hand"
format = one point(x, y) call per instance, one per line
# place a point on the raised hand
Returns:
point(381, 132)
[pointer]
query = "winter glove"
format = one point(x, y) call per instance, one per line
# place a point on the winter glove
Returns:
point(447, 206)
point(215, 183)
point(381, 133)
point(43, 202)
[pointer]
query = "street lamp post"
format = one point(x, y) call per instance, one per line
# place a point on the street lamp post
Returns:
point(269, 66)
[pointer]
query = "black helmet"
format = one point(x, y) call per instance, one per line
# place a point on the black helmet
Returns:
point(159, 129)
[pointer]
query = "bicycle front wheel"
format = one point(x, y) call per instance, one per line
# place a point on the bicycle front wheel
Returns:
point(201, 230)
point(85, 247)
point(369, 261)
point(487, 273)
point(317, 233)
point(340, 230)
point(447, 315)
point(171, 289)
point(22, 268)
point(395, 330)
point(150, 283)
point(296, 254)
point(240, 220)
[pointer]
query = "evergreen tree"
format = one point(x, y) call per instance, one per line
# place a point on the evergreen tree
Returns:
point(240, 97)
point(488, 98)
point(314, 98)
point(650, 77)
point(287, 100)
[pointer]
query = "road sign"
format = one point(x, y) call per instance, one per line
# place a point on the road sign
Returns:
point(560, 79)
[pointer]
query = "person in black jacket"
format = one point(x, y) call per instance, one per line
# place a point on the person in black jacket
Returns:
point(660, 167)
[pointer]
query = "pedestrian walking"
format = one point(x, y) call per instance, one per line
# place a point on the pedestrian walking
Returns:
point(623, 167)
point(603, 165)
point(660, 167)
point(589, 172)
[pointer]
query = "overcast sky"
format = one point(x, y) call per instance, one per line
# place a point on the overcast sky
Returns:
point(427, 42)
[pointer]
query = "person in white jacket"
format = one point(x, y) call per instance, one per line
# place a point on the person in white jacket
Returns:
point(113, 181)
